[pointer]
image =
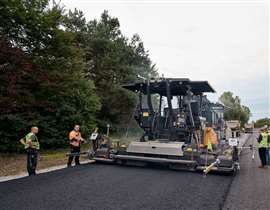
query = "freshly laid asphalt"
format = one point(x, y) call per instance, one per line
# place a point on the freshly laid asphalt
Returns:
point(94, 186)
point(98, 187)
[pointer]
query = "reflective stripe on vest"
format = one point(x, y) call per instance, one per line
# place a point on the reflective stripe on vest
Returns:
point(264, 141)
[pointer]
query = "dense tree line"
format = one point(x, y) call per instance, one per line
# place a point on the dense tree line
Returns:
point(234, 110)
point(57, 69)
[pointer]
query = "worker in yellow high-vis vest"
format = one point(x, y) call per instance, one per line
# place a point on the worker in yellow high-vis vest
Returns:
point(263, 140)
point(268, 149)
point(31, 145)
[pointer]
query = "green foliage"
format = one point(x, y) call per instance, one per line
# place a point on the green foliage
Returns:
point(57, 69)
point(112, 61)
point(43, 77)
point(30, 25)
point(262, 122)
point(233, 108)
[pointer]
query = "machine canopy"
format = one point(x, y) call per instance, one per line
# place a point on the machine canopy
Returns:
point(178, 86)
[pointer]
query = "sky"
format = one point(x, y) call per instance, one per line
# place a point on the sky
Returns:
point(222, 41)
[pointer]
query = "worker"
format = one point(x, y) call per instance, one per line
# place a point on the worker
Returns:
point(75, 141)
point(263, 140)
point(268, 149)
point(31, 145)
point(95, 136)
point(210, 137)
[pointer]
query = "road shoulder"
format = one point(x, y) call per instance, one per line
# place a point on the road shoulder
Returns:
point(250, 188)
point(41, 171)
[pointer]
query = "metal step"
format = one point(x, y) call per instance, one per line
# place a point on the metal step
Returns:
point(153, 159)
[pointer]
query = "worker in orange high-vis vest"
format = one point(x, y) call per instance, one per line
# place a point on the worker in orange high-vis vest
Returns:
point(210, 137)
point(75, 141)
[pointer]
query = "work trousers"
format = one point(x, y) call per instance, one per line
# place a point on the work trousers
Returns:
point(32, 156)
point(74, 152)
point(267, 153)
point(262, 154)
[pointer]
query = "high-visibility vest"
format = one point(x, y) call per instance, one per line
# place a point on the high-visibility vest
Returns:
point(264, 142)
point(210, 136)
point(269, 141)
point(31, 137)
point(75, 138)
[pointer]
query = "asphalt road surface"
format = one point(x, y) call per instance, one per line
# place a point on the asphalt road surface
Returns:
point(95, 186)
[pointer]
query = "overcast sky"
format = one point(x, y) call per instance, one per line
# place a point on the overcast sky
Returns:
point(224, 42)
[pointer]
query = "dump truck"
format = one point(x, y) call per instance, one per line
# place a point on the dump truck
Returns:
point(173, 131)
point(249, 127)
point(233, 128)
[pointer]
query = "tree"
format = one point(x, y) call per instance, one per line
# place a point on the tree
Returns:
point(42, 75)
point(262, 122)
point(112, 60)
point(233, 108)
